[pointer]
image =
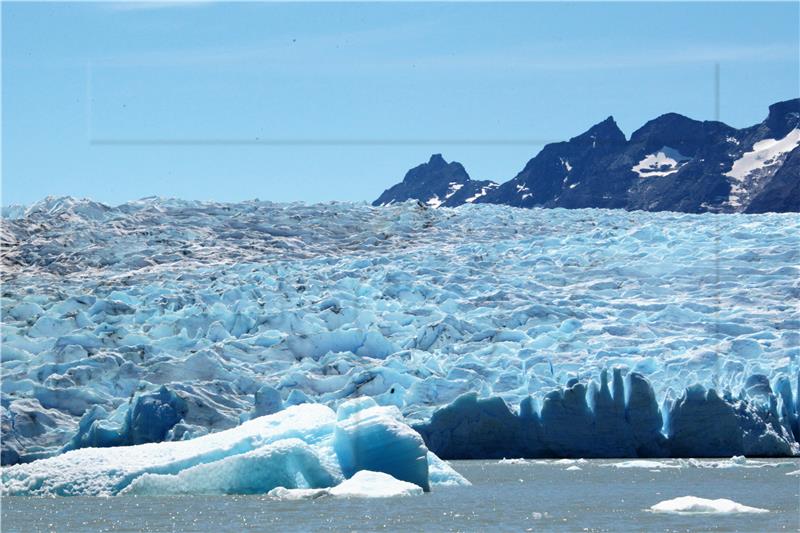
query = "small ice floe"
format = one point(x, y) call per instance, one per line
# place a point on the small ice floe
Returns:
point(794, 473)
point(695, 505)
point(644, 463)
point(573, 467)
point(570, 462)
point(505, 461)
point(737, 461)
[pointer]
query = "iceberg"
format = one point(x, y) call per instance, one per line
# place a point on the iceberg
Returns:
point(695, 505)
point(296, 448)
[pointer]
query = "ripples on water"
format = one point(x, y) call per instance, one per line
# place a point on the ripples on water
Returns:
point(519, 496)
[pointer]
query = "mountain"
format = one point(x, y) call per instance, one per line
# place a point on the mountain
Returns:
point(672, 163)
point(437, 183)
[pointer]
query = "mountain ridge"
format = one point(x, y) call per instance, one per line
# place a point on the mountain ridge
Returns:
point(671, 163)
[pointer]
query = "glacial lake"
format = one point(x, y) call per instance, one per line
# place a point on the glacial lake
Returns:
point(532, 496)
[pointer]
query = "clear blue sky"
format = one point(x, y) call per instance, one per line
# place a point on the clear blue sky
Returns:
point(78, 75)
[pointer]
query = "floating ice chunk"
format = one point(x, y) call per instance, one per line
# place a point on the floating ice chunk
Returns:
point(282, 493)
point(570, 462)
point(695, 505)
point(643, 463)
point(793, 473)
point(513, 462)
point(367, 484)
point(364, 484)
point(573, 468)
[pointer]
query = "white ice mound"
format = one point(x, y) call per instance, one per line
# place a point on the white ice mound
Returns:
point(364, 484)
point(296, 448)
point(368, 484)
point(695, 505)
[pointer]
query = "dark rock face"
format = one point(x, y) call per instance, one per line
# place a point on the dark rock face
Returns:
point(672, 163)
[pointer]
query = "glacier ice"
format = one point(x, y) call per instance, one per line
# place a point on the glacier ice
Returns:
point(552, 333)
point(695, 505)
point(299, 447)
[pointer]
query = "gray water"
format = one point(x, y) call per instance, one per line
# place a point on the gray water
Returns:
point(504, 497)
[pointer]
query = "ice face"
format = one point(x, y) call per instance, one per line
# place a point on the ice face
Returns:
point(222, 304)
point(699, 424)
point(301, 447)
point(371, 437)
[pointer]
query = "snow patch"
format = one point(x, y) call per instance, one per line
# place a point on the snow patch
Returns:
point(663, 162)
point(434, 202)
point(454, 188)
point(749, 172)
point(482, 192)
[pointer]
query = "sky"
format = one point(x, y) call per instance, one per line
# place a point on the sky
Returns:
point(336, 101)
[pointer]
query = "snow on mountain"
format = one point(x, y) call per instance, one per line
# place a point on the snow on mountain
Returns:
point(748, 173)
point(165, 320)
point(436, 183)
point(664, 162)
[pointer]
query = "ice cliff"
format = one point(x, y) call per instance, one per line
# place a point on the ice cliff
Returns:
point(165, 320)
point(574, 422)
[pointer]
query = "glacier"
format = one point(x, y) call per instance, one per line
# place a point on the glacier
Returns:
point(491, 331)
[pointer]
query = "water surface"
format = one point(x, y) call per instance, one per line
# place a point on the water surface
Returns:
point(535, 496)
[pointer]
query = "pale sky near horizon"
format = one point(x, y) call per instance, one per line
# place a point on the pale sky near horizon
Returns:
point(335, 101)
